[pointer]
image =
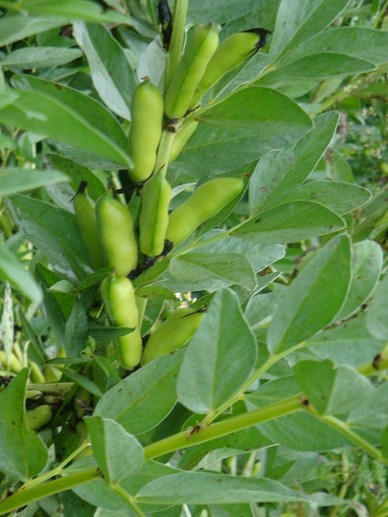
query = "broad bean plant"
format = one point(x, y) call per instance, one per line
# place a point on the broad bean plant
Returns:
point(192, 277)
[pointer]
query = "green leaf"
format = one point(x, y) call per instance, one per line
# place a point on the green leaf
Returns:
point(279, 172)
point(359, 42)
point(40, 57)
point(239, 129)
point(12, 271)
point(205, 488)
point(290, 222)
point(14, 180)
point(143, 399)
point(303, 432)
point(314, 299)
point(259, 108)
point(15, 27)
point(86, 106)
point(315, 67)
point(366, 268)
point(76, 173)
point(259, 256)
point(118, 454)
point(223, 343)
point(219, 11)
point(339, 196)
point(42, 114)
point(76, 331)
point(294, 26)
point(377, 321)
point(373, 411)
point(75, 10)
point(111, 73)
point(39, 221)
point(233, 268)
point(22, 452)
point(349, 344)
point(331, 391)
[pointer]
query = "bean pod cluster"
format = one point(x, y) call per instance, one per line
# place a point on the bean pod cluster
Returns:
point(123, 240)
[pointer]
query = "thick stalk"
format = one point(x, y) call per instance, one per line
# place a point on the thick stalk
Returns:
point(353, 437)
point(177, 37)
point(130, 500)
point(225, 427)
point(24, 497)
point(272, 359)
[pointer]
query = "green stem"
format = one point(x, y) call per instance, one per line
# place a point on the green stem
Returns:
point(24, 497)
point(374, 368)
point(353, 437)
point(151, 12)
point(54, 388)
point(128, 499)
point(272, 359)
point(177, 37)
point(381, 15)
point(57, 471)
point(225, 427)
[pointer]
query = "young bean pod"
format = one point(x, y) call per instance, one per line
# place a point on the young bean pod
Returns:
point(201, 44)
point(181, 138)
point(209, 199)
point(172, 334)
point(38, 417)
point(146, 129)
point(85, 214)
point(231, 53)
point(117, 235)
point(119, 297)
point(153, 220)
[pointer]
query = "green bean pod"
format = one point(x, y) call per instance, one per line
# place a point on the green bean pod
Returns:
point(231, 53)
point(118, 294)
point(201, 44)
point(153, 220)
point(85, 214)
point(172, 334)
point(146, 129)
point(117, 235)
point(38, 417)
point(181, 138)
point(209, 199)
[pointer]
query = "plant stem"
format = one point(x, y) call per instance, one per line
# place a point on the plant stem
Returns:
point(57, 471)
point(272, 359)
point(128, 499)
point(223, 428)
point(353, 437)
point(24, 497)
point(177, 37)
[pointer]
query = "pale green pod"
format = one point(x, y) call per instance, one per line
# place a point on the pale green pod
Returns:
point(209, 199)
point(38, 417)
point(118, 294)
point(172, 334)
point(117, 235)
point(181, 138)
point(231, 53)
point(85, 214)
point(146, 129)
point(153, 220)
point(202, 42)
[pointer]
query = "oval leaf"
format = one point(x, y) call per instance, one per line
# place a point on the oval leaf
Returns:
point(118, 454)
point(314, 299)
point(223, 343)
point(290, 222)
